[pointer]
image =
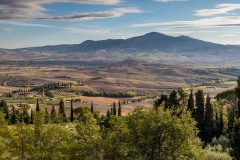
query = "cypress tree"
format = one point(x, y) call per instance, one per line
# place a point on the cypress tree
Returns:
point(92, 109)
point(159, 101)
point(173, 101)
point(62, 110)
point(199, 113)
point(237, 90)
point(231, 119)
point(4, 108)
point(209, 124)
point(31, 117)
point(235, 141)
point(71, 116)
point(217, 126)
point(53, 114)
point(221, 123)
point(190, 102)
point(111, 112)
point(46, 116)
point(13, 115)
point(25, 115)
point(119, 109)
point(37, 106)
point(114, 109)
point(182, 97)
point(108, 113)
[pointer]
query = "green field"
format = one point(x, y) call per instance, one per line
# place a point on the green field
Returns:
point(231, 82)
point(201, 87)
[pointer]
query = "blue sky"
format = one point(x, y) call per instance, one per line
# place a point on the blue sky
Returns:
point(27, 23)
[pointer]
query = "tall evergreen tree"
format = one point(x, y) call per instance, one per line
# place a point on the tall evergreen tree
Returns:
point(209, 124)
point(4, 108)
point(217, 126)
point(108, 113)
point(221, 123)
point(46, 116)
point(37, 106)
point(199, 113)
point(92, 109)
point(182, 97)
point(235, 141)
point(163, 99)
point(173, 101)
point(62, 110)
point(237, 90)
point(114, 109)
point(53, 114)
point(119, 109)
point(71, 116)
point(25, 115)
point(111, 111)
point(13, 115)
point(31, 117)
point(190, 102)
point(231, 119)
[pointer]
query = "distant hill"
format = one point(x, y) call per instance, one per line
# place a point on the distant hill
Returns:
point(150, 43)
point(153, 45)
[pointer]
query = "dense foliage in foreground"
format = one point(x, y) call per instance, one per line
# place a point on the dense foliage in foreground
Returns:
point(149, 134)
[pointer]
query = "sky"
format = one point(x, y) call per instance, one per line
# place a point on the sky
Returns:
point(29, 23)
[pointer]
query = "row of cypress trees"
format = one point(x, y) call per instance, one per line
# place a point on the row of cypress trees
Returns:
point(21, 114)
point(204, 115)
point(113, 110)
point(201, 111)
point(210, 123)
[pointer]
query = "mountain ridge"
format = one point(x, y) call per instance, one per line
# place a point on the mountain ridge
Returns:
point(143, 43)
point(152, 46)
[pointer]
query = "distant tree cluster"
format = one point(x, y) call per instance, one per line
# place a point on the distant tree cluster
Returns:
point(113, 94)
point(114, 111)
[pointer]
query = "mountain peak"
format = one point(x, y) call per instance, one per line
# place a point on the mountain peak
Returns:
point(155, 34)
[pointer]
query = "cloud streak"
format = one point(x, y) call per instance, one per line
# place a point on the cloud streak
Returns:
point(228, 21)
point(219, 9)
point(166, 1)
point(6, 30)
point(34, 10)
point(71, 29)
point(116, 12)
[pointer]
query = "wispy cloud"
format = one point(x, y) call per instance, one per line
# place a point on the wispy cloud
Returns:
point(94, 2)
point(34, 10)
point(6, 30)
point(116, 12)
point(70, 29)
point(229, 35)
point(177, 32)
point(31, 9)
point(219, 9)
point(227, 21)
point(166, 1)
